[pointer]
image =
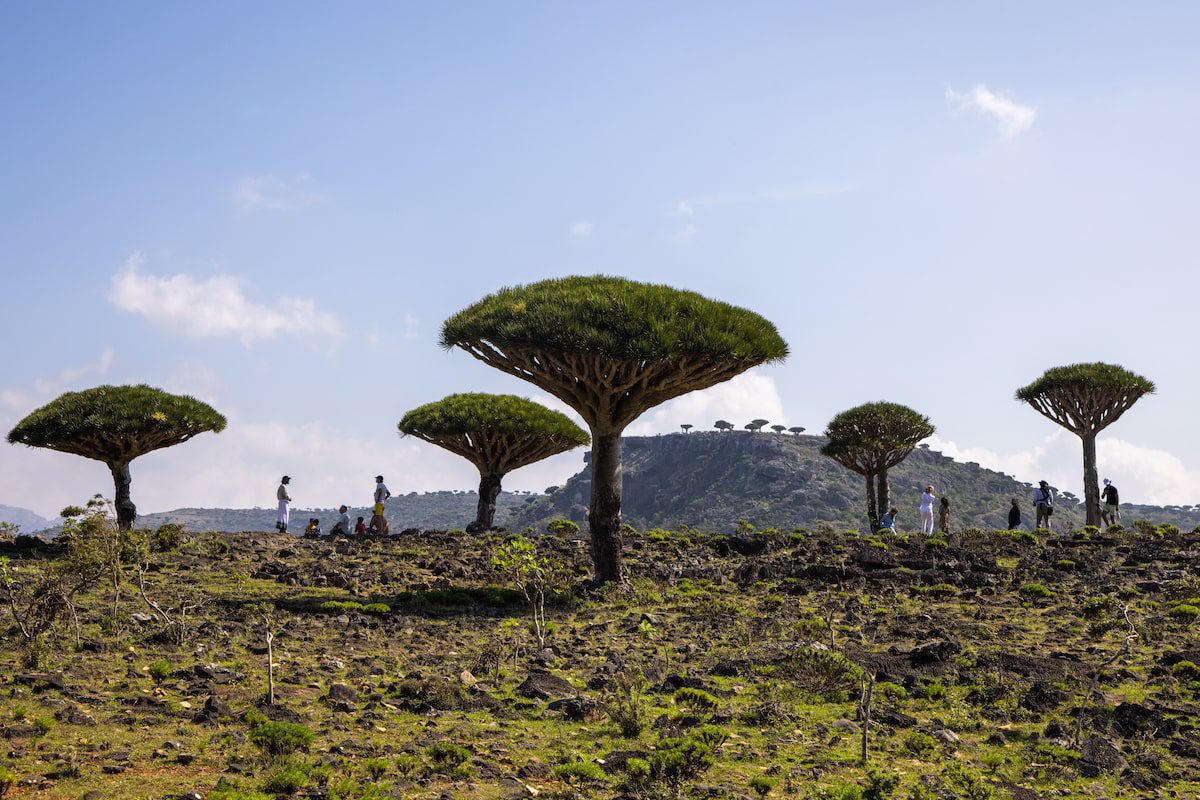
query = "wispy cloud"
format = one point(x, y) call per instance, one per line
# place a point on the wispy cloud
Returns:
point(21, 401)
point(582, 230)
point(686, 210)
point(1011, 117)
point(271, 193)
point(214, 307)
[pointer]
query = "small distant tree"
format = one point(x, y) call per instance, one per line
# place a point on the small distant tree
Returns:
point(797, 430)
point(612, 348)
point(686, 427)
point(535, 576)
point(722, 425)
point(779, 428)
point(1085, 399)
point(871, 439)
point(755, 425)
point(497, 433)
point(115, 425)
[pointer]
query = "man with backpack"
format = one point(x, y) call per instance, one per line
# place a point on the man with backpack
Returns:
point(1043, 503)
point(1110, 512)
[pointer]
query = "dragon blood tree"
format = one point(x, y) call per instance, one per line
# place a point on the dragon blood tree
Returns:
point(497, 433)
point(612, 348)
point(871, 439)
point(1085, 399)
point(116, 424)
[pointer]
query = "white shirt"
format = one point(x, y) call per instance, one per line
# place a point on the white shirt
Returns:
point(927, 502)
point(381, 492)
point(282, 494)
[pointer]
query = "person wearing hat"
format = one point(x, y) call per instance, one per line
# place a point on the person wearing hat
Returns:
point(1014, 515)
point(1111, 512)
point(379, 522)
point(281, 494)
point(1043, 503)
point(342, 526)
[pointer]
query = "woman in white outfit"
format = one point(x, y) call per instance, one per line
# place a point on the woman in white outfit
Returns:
point(927, 511)
point(281, 494)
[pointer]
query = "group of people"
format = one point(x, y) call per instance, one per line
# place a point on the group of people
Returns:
point(342, 527)
point(1043, 505)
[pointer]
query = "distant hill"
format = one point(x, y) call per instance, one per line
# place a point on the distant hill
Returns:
point(445, 510)
point(28, 521)
point(712, 480)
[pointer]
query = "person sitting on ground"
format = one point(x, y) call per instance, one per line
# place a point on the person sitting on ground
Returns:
point(944, 515)
point(1014, 515)
point(359, 527)
point(1043, 503)
point(313, 528)
point(888, 521)
point(342, 526)
point(1111, 510)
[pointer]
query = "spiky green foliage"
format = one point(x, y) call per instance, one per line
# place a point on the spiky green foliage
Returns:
point(116, 423)
point(617, 317)
point(1085, 398)
point(471, 415)
point(875, 436)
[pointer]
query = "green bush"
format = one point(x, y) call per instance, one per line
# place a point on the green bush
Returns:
point(159, 670)
point(966, 784)
point(562, 527)
point(1056, 754)
point(279, 739)
point(677, 760)
point(167, 537)
point(8, 779)
point(376, 767)
point(712, 736)
point(695, 699)
point(408, 764)
point(919, 744)
point(1035, 591)
point(224, 790)
point(821, 672)
point(378, 609)
point(637, 771)
point(841, 791)
point(762, 785)
point(580, 772)
point(1184, 612)
point(938, 590)
point(287, 779)
point(44, 724)
point(1186, 671)
point(880, 785)
point(1064, 564)
point(341, 605)
point(1096, 607)
point(447, 756)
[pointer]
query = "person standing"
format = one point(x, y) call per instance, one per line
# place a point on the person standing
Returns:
point(1111, 511)
point(1043, 503)
point(944, 515)
point(888, 521)
point(379, 522)
point(281, 494)
point(927, 511)
point(1014, 515)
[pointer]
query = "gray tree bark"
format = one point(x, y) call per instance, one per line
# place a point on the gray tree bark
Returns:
point(1091, 481)
point(126, 510)
point(485, 513)
point(604, 514)
point(872, 507)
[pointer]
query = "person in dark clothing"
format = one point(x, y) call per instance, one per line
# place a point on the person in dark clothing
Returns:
point(944, 515)
point(1110, 512)
point(1014, 516)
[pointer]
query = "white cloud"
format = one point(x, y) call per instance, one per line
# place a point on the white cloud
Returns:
point(582, 230)
point(270, 193)
point(21, 401)
point(214, 307)
point(750, 395)
point(1144, 475)
point(1012, 117)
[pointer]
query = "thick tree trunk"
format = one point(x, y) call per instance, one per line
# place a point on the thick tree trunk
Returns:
point(126, 510)
point(489, 490)
point(1091, 481)
point(604, 515)
point(872, 508)
point(884, 493)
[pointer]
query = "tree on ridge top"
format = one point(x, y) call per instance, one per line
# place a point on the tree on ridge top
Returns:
point(611, 348)
point(1085, 399)
point(872, 438)
point(115, 425)
point(498, 433)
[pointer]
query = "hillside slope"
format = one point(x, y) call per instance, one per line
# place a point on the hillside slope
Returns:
point(713, 480)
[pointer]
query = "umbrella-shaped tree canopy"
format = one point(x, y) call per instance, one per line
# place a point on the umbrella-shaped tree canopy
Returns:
point(497, 433)
point(116, 424)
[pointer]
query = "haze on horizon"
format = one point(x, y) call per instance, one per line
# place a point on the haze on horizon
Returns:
point(273, 208)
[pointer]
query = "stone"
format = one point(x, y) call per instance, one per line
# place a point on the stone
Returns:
point(935, 651)
point(946, 736)
point(340, 692)
point(1098, 756)
point(544, 686)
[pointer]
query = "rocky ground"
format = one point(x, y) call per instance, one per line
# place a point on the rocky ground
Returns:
point(731, 666)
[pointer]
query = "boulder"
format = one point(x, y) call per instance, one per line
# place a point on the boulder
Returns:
point(1099, 756)
point(544, 686)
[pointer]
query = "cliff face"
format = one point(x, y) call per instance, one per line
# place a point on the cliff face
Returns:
point(712, 480)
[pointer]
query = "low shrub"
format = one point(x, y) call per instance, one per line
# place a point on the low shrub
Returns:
point(1035, 591)
point(279, 739)
point(880, 785)
point(378, 609)
point(695, 699)
point(8, 779)
point(919, 744)
point(408, 764)
point(562, 527)
point(341, 605)
point(447, 756)
point(287, 779)
point(1096, 607)
point(762, 785)
point(159, 670)
point(1184, 612)
point(580, 773)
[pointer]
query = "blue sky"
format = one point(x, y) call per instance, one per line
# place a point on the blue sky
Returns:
point(274, 206)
